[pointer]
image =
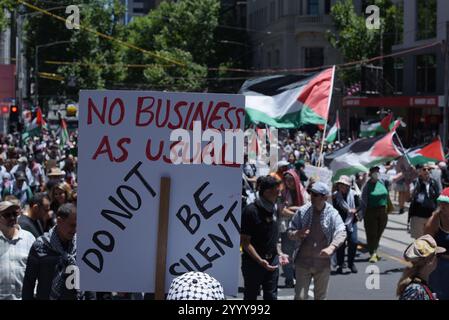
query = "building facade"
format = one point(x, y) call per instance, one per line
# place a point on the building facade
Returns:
point(290, 33)
point(135, 8)
point(418, 75)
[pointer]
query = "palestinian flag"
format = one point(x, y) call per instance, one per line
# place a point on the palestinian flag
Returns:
point(373, 128)
point(35, 127)
point(432, 152)
point(289, 101)
point(332, 135)
point(64, 133)
point(362, 154)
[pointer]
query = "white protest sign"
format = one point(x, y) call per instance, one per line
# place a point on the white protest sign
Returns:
point(124, 150)
point(319, 174)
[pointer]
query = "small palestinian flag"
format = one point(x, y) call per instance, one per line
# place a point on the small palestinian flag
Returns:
point(362, 154)
point(373, 128)
point(444, 196)
point(64, 133)
point(289, 101)
point(432, 152)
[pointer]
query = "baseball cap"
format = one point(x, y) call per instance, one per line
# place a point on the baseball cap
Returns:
point(195, 286)
point(344, 180)
point(444, 196)
point(5, 205)
point(422, 248)
point(320, 188)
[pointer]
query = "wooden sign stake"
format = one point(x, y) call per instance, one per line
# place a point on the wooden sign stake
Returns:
point(162, 238)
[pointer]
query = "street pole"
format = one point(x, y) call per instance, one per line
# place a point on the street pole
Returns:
point(446, 88)
point(36, 80)
point(36, 66)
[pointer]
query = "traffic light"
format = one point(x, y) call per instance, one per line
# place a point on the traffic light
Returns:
point(14, 118)
point(4, 110)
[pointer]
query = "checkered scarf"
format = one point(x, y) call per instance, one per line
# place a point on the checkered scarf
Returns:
point(66, 258)
point(195, 286)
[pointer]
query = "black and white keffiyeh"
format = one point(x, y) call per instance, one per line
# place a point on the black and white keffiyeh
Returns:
point(67, 257)
point(195, 286)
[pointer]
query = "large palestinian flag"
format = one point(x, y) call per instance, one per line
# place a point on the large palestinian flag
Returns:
point(289, 101)
point(432, 152)
point(362, 154)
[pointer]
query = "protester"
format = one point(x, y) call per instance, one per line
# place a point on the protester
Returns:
point(438, 227)
point(59, 195)
point(49, 258)
point(404, 177)
point(37, 211)
point(347, 204)
point(444, 174)
point(424, 201)
point(292, 197)
point(319, 231)
point(15, 243)
point(422, 254)
point(23, 166)
point(55, 177)
point(374, 212)
point(19, 188)
point(259, 239)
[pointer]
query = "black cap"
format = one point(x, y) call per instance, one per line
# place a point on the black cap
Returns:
point(374, 169)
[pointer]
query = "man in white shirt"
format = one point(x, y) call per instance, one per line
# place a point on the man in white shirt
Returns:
point(15, 244)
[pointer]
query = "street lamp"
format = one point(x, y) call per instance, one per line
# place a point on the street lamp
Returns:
point(36, 64)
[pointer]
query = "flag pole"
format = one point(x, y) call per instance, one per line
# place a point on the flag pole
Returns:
point(325, 126)
point(403, 149)
point(338, 127)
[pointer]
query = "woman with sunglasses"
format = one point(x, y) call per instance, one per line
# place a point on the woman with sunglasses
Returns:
point(438, 227)
point(424, 200)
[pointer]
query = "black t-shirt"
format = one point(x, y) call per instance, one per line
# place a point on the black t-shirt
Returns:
point(262, 227)
point(33, 226)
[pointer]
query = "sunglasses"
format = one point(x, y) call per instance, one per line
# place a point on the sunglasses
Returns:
point(425, 169)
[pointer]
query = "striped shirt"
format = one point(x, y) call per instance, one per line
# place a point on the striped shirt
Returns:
point(13, 260)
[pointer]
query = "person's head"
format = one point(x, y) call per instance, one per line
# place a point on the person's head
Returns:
point(195, 286)
point(291, 158)
point(9, 212)
point(442, 165)
point(66, 221)
point(422, 255)
point(374, 173)
point(289, 181)
point(40, 205)
point(20, 178)
point(60, 193)
point(423, 171)
point(443, 202)
point(300, 165)
point(282, 166)
point(23, 161)
point(319, 191)
point(6, 177)
point(56, 174)
point(269, 188)
point(344, 184)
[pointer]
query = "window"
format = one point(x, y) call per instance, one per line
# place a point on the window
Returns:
point(272, 11)
point(426, 18)
point(140, 10)
point(313, 57)
point(313, 7)
point(398, 69)
point(426, 73)
point(327, 6)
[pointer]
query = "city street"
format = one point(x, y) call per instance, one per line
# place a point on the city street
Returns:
point(351, 286)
